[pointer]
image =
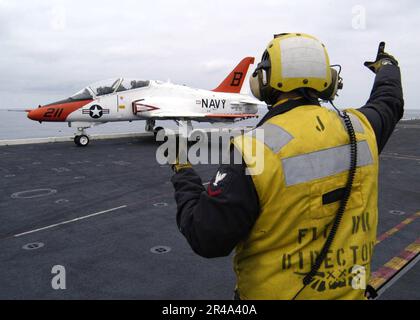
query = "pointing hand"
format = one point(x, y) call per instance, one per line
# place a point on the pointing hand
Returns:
point(382, 59)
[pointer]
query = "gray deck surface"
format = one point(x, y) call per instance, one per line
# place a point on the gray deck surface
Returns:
point(108, 256)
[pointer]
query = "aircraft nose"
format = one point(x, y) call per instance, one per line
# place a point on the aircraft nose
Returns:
point(35, 114)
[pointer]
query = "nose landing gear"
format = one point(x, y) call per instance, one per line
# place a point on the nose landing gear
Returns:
point(81, 140)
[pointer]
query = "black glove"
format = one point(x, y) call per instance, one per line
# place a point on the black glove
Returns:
point(382, 59)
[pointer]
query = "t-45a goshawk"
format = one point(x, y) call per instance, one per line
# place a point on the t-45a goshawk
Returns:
point(132, 99)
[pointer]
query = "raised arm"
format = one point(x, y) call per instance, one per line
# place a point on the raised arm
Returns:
point(385, 106)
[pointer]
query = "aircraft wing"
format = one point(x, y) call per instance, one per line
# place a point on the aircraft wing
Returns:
point(244, 102)
point(204, 116)
point(231, 115)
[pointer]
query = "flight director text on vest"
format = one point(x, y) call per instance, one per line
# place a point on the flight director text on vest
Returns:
point(220, 141)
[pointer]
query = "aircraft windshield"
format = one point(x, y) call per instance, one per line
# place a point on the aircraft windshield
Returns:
point(83, 94)
point(105, 87)
point(109, 86)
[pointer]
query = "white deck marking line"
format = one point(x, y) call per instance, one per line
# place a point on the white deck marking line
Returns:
point(404, 157)
point(69, 221)
point(206, 183)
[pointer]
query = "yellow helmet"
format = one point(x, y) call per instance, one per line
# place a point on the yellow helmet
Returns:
point(292, 61)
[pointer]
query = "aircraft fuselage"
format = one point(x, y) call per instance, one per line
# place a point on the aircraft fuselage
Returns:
point(157, 101)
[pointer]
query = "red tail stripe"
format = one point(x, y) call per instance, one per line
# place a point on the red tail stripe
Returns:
point(234, 81)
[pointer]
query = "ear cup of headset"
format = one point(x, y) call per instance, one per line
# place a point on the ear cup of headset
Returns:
point(331, 91)
point(254, 84)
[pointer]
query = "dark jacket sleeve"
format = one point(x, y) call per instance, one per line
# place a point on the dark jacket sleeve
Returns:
point(215, 218)
point(385, 106)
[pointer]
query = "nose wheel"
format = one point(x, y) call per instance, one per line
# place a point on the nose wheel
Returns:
point(81, 140)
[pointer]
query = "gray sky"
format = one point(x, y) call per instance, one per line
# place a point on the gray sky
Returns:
point(50, 49)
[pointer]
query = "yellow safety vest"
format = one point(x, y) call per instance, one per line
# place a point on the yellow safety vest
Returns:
point(305, 164)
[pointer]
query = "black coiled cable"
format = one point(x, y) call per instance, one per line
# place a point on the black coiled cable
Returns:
point(343, 204)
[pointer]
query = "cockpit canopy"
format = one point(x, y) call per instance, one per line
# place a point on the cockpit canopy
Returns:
point(109, 86)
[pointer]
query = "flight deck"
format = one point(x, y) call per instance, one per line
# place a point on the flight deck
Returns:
point(107, 214)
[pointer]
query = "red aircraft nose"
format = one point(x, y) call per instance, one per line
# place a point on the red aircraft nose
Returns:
point(36, 114)
point(56, 112)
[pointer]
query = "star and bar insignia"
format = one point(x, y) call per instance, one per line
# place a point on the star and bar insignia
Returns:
point(95, 111)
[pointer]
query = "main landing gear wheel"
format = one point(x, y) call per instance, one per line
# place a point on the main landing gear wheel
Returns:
point(82, 140)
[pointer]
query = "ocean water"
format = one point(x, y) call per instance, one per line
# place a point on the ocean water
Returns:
point(15, 125)
point(411, 114)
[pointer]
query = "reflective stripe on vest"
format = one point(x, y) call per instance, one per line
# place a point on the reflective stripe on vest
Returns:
point(275, 137)
point(324, 163)
point(357, 126)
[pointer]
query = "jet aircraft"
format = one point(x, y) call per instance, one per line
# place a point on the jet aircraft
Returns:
point(125, 99)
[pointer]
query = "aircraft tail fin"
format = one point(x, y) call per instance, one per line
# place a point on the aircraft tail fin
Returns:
point(234, 81)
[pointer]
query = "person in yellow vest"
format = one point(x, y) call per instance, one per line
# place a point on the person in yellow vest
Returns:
point(304, 226)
